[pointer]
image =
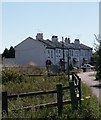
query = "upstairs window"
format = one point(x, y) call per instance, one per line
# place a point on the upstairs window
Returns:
point(81, 52)
point(59, 53)
point(72, 53)
point(69, 52)
point(51, 53)
point(76, 53)
point(48, 53)
point(56, 53)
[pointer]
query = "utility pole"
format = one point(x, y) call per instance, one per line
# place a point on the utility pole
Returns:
point(63, 54)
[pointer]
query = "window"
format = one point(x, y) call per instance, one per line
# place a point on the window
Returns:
point(59, 53)
point(51, 53)
point(86, 52)
point(76, 53)
point(48, 53)
point(66, 53)
point(72, 52)
point(56, 53)
point(69, 52)
point(81, 52)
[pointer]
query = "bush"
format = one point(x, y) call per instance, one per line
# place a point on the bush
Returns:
point(11, 75)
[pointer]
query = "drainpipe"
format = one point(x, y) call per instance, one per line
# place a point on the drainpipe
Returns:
point(79, 59)
point(68, 64)
point(63, 55)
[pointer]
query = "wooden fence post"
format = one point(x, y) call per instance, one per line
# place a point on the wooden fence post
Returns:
point(73, 77)
point(4, 102)
point(59, 99)
point(79, 88)
point(73, 96)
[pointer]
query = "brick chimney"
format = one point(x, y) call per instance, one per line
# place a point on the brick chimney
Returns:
point(67, 40)
point(77, 41)
point(39, 36)
point(55, 38)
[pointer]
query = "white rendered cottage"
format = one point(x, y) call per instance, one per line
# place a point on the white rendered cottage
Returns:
point(37, 51)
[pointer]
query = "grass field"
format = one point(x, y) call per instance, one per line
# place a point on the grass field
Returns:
point(14, 82)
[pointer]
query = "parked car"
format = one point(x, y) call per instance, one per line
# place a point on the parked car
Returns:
point(87, 66)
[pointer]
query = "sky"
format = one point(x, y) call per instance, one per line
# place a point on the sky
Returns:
point(68, 19)
point(100, 17)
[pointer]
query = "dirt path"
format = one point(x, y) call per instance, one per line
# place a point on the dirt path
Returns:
point(89, 79)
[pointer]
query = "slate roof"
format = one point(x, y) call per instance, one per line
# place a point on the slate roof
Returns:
point(53, 45)
point(80, 46)
point(47, 44)
point(85, 47)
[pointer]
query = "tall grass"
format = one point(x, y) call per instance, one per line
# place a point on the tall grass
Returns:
point(15, 82)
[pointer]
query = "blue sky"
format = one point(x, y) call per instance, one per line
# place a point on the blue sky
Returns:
point(74, 19)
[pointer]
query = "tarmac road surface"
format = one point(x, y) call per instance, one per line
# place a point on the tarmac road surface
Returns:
point(89, 79)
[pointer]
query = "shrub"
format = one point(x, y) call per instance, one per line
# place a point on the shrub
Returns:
point(11, 75)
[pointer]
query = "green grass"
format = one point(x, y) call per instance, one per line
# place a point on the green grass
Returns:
point(92, 106)
point(15, 82)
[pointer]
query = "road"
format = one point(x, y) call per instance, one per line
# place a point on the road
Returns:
point(89, 79)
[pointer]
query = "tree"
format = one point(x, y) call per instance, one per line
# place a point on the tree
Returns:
point(5, 53)
point(98, 57)
point(93, 59)
point(11, 52)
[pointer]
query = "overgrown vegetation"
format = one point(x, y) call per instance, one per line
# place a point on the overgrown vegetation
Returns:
point(98, 75)
point(15, 82)
point(98, 57)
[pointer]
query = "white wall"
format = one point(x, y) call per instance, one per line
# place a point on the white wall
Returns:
point(30, 51)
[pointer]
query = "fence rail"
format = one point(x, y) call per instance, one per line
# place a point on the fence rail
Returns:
point(31, 94)
point(41, 106)
point(75, 94)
